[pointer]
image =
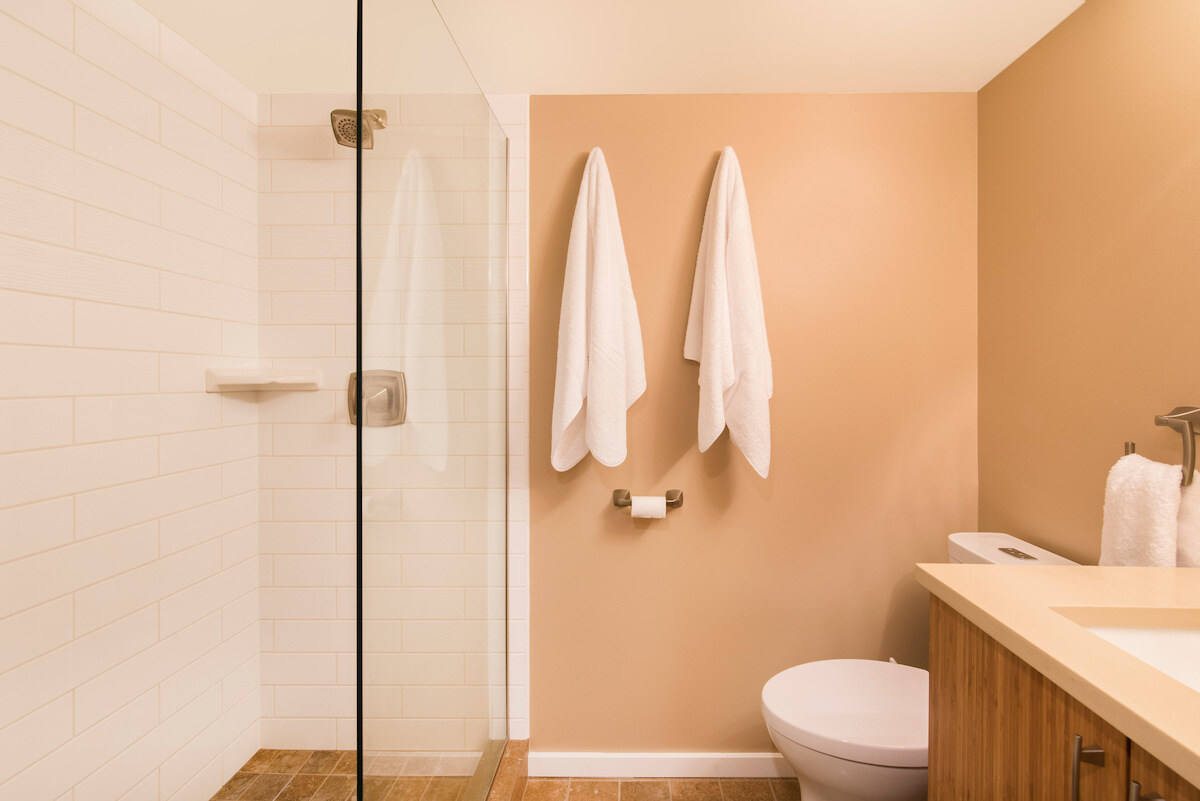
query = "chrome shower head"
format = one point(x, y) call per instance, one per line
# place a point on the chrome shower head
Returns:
point(344, 123)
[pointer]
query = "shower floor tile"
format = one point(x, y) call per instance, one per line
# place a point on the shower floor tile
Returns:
point(276, 775)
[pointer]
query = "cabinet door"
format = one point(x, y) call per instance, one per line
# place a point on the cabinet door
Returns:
point(1107, 781)
point(1001, 730)
point(1155, 777)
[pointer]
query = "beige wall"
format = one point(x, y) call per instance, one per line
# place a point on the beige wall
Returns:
point(1089, 229)
point(652, 636)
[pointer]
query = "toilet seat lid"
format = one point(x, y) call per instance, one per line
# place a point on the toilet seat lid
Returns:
point(856, 709)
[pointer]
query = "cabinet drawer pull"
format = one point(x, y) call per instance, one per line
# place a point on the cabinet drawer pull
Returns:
point(1135, 793)
point(1091, 754)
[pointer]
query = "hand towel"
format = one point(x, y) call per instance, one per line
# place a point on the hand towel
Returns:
point(726, 329)
point(1187, 547)
point(1141, 513)
point(601, 367)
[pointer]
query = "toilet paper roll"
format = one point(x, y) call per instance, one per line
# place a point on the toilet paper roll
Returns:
point(654, 506)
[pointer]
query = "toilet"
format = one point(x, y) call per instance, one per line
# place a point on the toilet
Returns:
point(852, 729)
point(994, 548)
point(858, 729)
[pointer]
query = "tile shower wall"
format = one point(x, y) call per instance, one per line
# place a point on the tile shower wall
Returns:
point(128, 496)
point(427, 543)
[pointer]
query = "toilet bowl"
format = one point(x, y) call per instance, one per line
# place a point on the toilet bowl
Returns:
point(852, 729)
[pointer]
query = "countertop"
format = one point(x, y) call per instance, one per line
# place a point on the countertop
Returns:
point(1018, 606)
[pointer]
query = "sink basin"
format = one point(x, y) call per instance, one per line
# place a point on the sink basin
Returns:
point(1166, 639)
point(1175, 652)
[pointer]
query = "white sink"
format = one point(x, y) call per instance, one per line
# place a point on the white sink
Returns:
point(1174, 651)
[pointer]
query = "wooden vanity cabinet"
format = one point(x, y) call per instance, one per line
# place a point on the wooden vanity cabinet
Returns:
point(998, 729)
point(1156, 780)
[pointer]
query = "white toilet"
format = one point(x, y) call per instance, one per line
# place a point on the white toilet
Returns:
point(852, 729)
point(994, 548)
point(857, 729)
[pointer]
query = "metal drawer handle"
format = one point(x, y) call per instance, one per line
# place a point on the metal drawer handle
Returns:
point(1135, 794)
point(1092, 754)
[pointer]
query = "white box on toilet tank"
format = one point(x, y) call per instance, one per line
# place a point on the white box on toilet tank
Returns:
point(995, 548)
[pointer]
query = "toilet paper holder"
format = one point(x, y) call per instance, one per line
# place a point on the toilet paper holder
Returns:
point(623, 498)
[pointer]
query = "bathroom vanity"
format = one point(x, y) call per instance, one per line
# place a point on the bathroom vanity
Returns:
point(1063, 683)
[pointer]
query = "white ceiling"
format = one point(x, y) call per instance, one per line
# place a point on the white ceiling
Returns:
point(618, 46)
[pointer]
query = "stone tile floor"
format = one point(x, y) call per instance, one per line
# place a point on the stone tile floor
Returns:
point(272, 775)
point(662, 790)
point(329, 776)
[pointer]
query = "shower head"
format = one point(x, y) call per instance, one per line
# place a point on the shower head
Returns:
point(344, 123)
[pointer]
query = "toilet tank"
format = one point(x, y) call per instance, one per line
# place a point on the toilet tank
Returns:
point(995, 548)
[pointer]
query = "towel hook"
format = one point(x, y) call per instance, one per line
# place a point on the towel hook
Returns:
point(1183, 419)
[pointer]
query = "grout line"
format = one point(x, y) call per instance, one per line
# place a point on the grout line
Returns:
point(123, 529)
point(150, 183)
point(156, 436)
point(158, 272)
point(136, 481)
point(131, 613)
point(156, 57)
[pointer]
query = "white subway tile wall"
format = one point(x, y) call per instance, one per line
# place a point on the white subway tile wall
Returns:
point(435, 504)
point(131, 259)
point(129, 642)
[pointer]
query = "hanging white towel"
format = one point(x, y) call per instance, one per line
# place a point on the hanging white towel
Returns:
point(415, 237)
point(726, 330)
point(601, 367)
point(1187, 547)
point(1141, 513)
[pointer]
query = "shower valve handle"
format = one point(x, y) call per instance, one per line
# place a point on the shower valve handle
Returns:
point(387, 384)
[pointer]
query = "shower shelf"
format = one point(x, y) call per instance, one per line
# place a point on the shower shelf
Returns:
point(254, 380)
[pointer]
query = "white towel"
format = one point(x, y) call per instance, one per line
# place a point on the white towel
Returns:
point(1141, 513)
point(601, 367)
point(415, 236)
point(726, 330)
point(1187, 547)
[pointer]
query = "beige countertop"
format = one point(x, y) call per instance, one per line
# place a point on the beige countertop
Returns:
point(1033, 611)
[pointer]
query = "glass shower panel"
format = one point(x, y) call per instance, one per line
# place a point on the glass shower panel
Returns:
point(433, 456)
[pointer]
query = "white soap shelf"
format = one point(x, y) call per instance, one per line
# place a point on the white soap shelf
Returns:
point(261, 379)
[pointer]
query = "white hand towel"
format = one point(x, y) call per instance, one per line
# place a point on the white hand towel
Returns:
point(1141, 513)
point(1187, 547)
point(601, 367)
point(726, 330)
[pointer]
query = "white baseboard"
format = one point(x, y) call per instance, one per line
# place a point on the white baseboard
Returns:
point(654, 765)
